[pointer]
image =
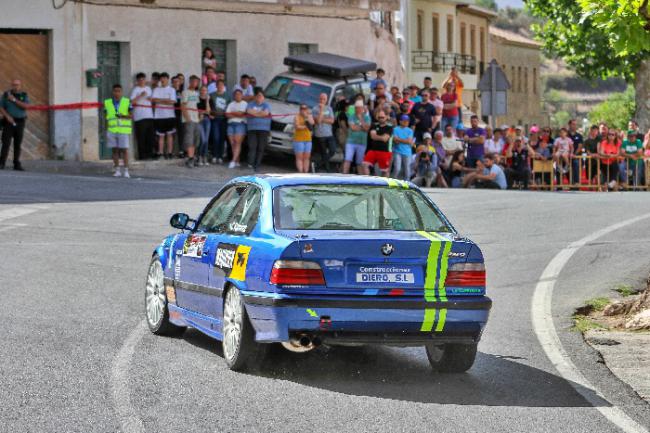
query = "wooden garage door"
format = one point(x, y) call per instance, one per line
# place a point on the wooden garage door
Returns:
point(25, 56)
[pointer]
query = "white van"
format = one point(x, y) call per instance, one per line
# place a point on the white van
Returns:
point(308, 76)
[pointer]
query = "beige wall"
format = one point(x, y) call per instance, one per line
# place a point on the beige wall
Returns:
point(170, 40)
point(524, 105)
point(443, 10)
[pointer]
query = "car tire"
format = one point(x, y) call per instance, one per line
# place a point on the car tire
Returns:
point(240, 350)
point(451, 358)
point(155, 302)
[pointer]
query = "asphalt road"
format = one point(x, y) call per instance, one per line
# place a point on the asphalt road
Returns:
point(76, 358)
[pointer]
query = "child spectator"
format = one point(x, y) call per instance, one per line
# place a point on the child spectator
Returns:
point(563, 150)
point(403, 142)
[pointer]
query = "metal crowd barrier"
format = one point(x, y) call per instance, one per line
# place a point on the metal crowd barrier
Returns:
point(587, 173)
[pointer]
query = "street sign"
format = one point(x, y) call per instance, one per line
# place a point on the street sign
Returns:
point(494, 87)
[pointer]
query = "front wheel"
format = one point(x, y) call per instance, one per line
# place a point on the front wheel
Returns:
point(155, 302)
point(451, 358)
point(239, 347)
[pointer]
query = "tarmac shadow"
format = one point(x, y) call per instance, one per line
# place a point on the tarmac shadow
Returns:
point(404, 374)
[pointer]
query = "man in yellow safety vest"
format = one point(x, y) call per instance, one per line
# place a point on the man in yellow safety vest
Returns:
point(118, 128)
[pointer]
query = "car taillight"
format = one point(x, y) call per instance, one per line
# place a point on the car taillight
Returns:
point(466, 275)
point(297, 273)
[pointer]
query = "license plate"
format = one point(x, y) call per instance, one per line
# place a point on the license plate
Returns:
point(377, 277)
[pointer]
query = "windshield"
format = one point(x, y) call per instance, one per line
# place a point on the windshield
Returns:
point(354, 207)
point(294, 91)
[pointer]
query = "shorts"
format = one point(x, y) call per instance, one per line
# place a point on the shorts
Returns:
point(381, 158)
point(165, 126)
point(236, 128)
point(117, 141)
point(302, 146)
point(191, 134)
point(355, 152)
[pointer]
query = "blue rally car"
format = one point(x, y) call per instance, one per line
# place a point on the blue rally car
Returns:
point(305, 260)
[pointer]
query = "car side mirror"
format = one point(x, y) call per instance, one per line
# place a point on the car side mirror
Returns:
point(179, 221)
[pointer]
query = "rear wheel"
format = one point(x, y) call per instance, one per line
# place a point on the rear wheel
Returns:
point(451, 358)
point(155, 302)
point(240, 350)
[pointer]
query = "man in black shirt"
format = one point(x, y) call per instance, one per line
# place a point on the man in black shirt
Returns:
point(591, 147)
point(519, 169)
point(578, 147)
point(378, 150)
point(423, 116)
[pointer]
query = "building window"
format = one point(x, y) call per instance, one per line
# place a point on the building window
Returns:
point(463, 38)
point(535, 81)
point(450, 34)
point(472, 40)
point(482, 45)
point(295, 49)
point(435, 33)
point(519, 80)
point(420, 30)
point(513, 80)
point(526, 80)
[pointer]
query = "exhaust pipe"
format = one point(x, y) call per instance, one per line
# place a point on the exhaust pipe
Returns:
point(302, 343)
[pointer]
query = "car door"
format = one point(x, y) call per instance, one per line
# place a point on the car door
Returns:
point(233, 259)
point(193, 290)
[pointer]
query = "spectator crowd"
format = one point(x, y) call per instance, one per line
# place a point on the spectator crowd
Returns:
point(416, 133)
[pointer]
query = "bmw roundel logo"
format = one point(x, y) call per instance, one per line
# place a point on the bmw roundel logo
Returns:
point(387, 249)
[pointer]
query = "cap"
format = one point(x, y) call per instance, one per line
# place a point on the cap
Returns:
point(505, 127)
point(460, 127)
point(519, 127)
point(534, 129)
point(426, 135)
point(404, 117)
point(359, 103)
point(631, 132)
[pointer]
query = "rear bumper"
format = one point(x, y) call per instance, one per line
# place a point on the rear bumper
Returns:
point(358, 320)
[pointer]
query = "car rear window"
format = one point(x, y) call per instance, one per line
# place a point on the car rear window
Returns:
point(354, 207)
point(295, 91)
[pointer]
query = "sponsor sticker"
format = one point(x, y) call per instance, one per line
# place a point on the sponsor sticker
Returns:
point(231, 260)
point(225, 257)
point(194, 246)
point(385, 274)
point(177, 269)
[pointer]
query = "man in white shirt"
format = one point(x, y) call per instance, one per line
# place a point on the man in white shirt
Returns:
point(450, 142)
point(143, 116)
point(245, 87)
point(164, 97)
point(436, 102)
point(190, 114)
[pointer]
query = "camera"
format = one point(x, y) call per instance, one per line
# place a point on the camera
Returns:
point(424, 155)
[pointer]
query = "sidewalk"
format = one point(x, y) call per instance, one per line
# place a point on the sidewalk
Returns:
point(627, 355)
point(156, 169)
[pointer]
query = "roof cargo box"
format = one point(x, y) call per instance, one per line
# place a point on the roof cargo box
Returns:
point(329, 64)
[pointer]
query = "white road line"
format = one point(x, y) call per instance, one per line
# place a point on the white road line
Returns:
point(544, 327)
point(18, 211)
point(127, 415)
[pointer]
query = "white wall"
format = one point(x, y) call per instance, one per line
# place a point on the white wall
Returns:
point(166, 39)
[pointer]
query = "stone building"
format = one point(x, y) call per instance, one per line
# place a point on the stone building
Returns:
point(54, 46)
point(520, 59)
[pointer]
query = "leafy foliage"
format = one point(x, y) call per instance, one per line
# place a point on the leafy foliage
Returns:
point(616, 110)
point(516, 20)
point(488, 4)
point(599, 38)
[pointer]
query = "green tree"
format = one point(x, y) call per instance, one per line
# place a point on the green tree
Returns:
point(560, 119)
point(600, 38)
point(489, 4)
point(616, 110)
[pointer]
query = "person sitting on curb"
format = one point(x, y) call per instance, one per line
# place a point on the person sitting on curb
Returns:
point(488, 175)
